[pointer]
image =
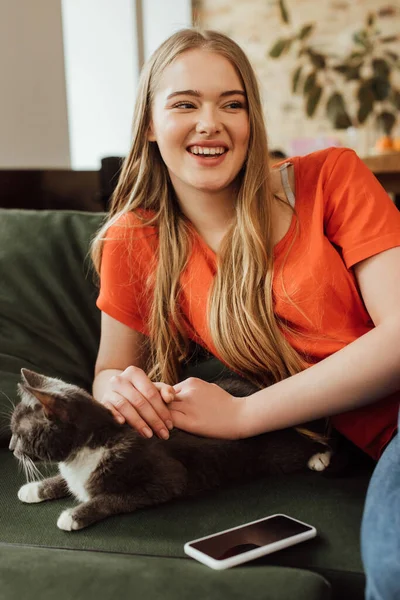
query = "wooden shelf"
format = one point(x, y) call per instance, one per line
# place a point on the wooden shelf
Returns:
point(388, 162)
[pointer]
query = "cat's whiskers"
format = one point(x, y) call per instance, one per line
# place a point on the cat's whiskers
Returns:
point(36, 471)
point(47, 465)
point(31, 471)
point(19, 463)
point(13, 405)
point(25, 468)
point(4, 426)
point(7, 413)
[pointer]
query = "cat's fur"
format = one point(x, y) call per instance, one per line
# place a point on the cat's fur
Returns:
point(111, 469)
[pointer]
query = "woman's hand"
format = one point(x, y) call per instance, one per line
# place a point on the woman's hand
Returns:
point(206, 409)
point(133, 398)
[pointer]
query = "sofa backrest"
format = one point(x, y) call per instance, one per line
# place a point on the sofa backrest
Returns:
point(48, 318)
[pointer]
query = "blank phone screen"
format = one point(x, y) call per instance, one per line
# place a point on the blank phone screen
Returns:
point(249, 537)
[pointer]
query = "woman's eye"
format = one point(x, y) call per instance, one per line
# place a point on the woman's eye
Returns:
point(234, 105)
point(184, 105)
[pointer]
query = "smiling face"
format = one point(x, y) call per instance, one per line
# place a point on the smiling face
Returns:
point(200, 123)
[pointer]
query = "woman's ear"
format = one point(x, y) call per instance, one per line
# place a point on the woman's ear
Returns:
point(150, 133)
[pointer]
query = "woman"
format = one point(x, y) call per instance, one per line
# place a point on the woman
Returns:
point(291, 273)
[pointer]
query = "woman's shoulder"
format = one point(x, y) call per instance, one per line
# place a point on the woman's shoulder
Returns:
point(322, 162)
point(132, 225)
point(306, 170)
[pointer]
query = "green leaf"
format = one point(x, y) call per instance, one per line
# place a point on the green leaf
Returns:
point(361, 38)
point(385, 121)
point(305, 31)
point(341, 69)
point(296, 79)
point(335, 104)
point(283, 11)
point(318, 60)
point(370, 19)
point(364, 110)
point(309, 83)
point(365, 92)
point(358, 54)
point(392, 55)
point(313, 100)
point(288, 44)
point(351, 72)
point(380, 87)
point(395, 99)
point(336, 112)
point(381, 68)
point(389, 39)
point(278, 48)
point(342, 121)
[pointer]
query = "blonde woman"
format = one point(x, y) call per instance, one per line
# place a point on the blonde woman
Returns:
point(291, 273)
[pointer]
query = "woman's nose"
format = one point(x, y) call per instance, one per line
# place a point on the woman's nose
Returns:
point(208, 122)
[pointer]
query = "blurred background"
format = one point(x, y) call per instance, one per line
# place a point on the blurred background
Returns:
point(329, 72)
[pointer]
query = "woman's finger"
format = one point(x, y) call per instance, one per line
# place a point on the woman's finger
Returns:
point(125, 408)
point(148, 390)
point(177, 406)
point(117, 416)
point(122, 412)
point(177, 387)
point(167, 391)
point(138, 411)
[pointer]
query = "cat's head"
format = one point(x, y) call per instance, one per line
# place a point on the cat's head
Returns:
point(54, 419)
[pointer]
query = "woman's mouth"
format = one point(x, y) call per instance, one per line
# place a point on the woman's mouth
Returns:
point(207, 155)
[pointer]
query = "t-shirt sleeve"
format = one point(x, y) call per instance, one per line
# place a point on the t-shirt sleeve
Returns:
point(359, 216)
point(127, 259)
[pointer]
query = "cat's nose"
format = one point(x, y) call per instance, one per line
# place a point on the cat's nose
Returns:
point(13, 442)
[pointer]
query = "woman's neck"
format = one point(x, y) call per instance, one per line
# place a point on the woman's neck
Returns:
point(210, 213)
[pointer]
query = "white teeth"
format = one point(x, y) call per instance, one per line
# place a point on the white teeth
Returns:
point(207, 150)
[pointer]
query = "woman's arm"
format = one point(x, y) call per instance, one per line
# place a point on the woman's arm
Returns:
point(364, 371)
point(122, 385)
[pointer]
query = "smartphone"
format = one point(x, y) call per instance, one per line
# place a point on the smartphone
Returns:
point(246, 542)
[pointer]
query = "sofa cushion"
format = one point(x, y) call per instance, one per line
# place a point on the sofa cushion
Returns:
point(49, 323)
point(332, 505)
point(103, 576)
point(48, 318)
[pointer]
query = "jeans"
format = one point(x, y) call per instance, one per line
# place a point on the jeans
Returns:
point(380, 529)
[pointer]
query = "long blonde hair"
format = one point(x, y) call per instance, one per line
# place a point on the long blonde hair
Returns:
point(246, 333)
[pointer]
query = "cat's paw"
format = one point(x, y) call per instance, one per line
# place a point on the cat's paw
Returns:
point(66, 521)
point(29, 492)
point(320, 461)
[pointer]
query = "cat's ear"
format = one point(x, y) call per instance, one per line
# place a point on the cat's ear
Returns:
point(52, 404)
point(32, 378)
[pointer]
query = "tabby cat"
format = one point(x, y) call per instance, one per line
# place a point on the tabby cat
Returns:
point(111, 469)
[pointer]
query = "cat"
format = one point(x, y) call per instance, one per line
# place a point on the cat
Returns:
point(111, 469)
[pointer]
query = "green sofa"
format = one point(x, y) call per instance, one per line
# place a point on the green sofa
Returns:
point(49, 323)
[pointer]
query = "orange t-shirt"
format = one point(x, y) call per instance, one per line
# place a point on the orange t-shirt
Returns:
point(344, 216)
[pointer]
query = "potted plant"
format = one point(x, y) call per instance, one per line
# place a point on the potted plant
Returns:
point(367, 70)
